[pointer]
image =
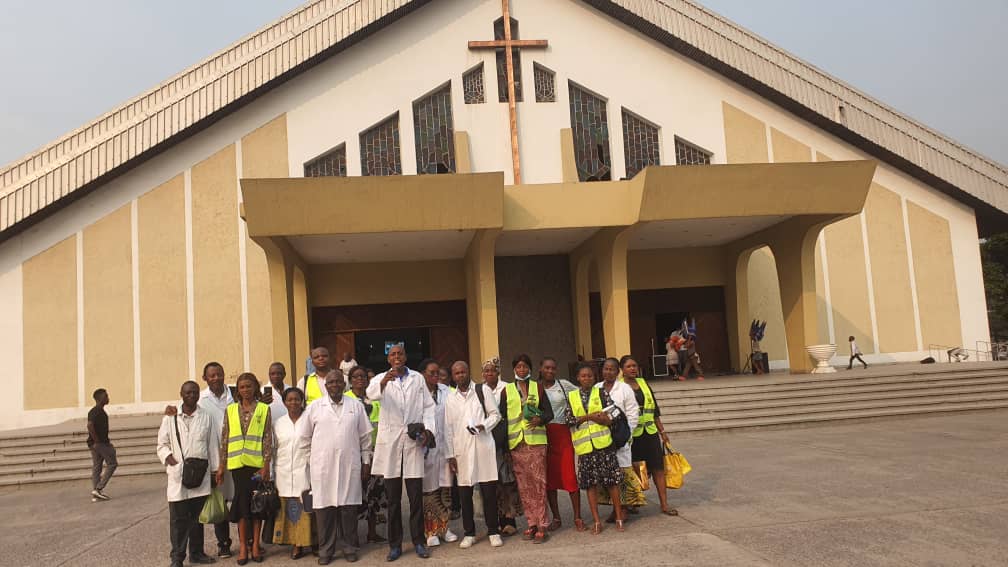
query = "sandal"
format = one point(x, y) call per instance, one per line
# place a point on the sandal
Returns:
point(555, 525)
point(540, 537)
point(509, 530)
point(670, 512)
point(530, 533)
point(579, 525)
point(296, 553)
point(619, 526)
point(597, 529)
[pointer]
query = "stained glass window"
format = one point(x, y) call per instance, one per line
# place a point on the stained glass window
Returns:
point(688, 154)
point(329, 164)
point(472, 85)
point(502, 84)
point(545, 84)
point(590, 127)
point(380, 149)
point(432, 123)
point(640, 143)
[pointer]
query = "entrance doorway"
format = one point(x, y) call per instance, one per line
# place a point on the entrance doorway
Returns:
point(657, 313)
point(435, 329)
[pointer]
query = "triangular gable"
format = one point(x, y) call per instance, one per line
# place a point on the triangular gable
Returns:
point(66, 169)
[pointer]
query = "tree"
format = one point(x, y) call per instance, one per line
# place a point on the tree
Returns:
point(994, 257)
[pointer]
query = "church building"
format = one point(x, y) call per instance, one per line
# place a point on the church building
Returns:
point(478, 177)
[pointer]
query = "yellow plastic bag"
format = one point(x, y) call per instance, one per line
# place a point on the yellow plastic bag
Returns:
point(640, 468)
point(676, 467)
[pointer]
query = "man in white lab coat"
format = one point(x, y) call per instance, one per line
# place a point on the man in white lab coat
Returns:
point(404, 400)
point(470, 415)
point(340, 435)
point(191, 433)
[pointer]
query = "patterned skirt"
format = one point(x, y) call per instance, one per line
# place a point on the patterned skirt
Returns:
point(508, 502)
point(437, 510)
point(631, 491)
point(375, 501)
point(293, 525)
point(530, 469)
point(599, 468)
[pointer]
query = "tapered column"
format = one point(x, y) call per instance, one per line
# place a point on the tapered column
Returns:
point(481, 298)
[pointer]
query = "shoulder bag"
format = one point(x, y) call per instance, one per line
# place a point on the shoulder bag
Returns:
point(193, 469)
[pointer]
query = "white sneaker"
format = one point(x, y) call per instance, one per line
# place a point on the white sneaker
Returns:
point(99, 494)
point(450, 536)
point(496, 541)
point(433, 541)
point(467, 542)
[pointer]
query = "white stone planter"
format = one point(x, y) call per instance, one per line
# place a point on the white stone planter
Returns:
point(822, 355)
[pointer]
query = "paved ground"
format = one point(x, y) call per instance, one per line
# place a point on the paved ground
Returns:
point(921, 491)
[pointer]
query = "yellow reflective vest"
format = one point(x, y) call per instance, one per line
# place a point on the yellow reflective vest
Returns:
point(312, 390)
point(589, 435)
point(246, 450)
point(518, 427)
point(646, 421)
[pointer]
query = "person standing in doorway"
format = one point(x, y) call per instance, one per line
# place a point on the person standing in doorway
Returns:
point(692, 360)
point(313, 384)
point(347, 364)
point(404, 428)
point(855, 352)
point(103, 454)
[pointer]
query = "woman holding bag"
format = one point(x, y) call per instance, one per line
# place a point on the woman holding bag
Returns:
point(247, 448)
point(647, 446)
point(294, 524)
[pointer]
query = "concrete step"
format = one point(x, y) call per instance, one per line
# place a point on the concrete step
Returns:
point(79, 474)
point(719, 404)
point(808, 419)
point(750, 386)
point(55, 447)
point(921, 403)
point(75, 465)
point(72, 455)
point(70, 438)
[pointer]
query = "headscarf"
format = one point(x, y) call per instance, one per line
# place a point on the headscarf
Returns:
point(494, 362)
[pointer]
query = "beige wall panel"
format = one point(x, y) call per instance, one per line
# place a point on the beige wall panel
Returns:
point(890, 271)
point(216, 275)
point(264, 154)
point(745, 136)
point(50, 327)
point(937, 297)
point(108, 306)
point(661, 269)
point(330, 284)
point(787, 149)
point(164, 344)
point(765, 302)
point(822, 308)
point(849, 283)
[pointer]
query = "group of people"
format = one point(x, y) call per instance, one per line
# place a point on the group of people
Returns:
point(339, 454)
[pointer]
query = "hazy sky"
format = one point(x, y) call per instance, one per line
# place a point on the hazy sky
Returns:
point(65, 62)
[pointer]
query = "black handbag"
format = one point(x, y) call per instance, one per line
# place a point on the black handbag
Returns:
point(193, 469)
point(619, 429)
point(265, 500)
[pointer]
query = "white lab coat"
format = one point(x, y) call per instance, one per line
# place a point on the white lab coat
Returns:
point(623, 396)
point(404, 401)
point(217, 407)
point(339, 434)
point(475, 455)
point(291, 462)
point(437, 474)
point(200, 439)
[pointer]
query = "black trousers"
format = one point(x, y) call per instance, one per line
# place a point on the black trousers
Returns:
point(857, 356)
point(223, 533)
point(414, 493)
point(337, 530)
point(184, 528)
point(488, 490)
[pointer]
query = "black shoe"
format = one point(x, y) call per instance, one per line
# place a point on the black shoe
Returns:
point(422, 551)
point(324, 560)
point(350, 556)
point(393, 554)
point(224, 551)
point(176, 564)
point(202, 559)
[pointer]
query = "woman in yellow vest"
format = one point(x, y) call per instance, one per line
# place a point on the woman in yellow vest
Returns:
point(528, 410)
point(375, 501)
point(597, 463)
point(247, 447)
point(647, 446)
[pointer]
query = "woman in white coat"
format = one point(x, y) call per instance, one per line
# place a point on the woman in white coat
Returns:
point(404, 400)
point(437, 476)
point(294, 525)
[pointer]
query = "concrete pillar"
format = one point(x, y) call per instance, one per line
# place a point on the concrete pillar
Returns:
point(795, 259)
point(281, 277)
point(608, 249)
point(481, 298)
point(579, 270)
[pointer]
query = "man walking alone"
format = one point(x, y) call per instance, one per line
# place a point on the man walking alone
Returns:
point(102, 451)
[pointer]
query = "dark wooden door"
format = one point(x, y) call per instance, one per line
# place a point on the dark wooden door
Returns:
point(449, 344)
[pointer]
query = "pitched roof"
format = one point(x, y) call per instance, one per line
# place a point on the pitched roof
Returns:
point(69, 167)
